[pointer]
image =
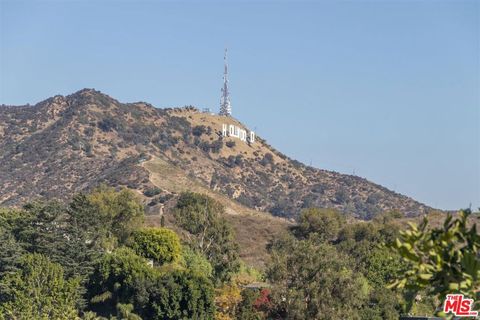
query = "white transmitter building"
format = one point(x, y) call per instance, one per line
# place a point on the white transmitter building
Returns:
point(230, 130)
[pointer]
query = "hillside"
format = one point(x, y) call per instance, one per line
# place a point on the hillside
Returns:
point(67, 144)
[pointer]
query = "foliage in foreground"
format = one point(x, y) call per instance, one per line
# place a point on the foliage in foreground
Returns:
point(442, 260)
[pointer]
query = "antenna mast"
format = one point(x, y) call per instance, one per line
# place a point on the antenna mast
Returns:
point(225, 106)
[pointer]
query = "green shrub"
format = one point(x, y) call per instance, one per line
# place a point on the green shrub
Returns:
point(150, 192)
point(159, 244)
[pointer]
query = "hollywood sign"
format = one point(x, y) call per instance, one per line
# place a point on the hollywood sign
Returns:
point(237, 132)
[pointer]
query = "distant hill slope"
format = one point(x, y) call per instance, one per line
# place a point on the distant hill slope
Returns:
point(66, 144)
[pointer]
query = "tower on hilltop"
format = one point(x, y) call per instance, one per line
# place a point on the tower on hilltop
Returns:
point(225, 106)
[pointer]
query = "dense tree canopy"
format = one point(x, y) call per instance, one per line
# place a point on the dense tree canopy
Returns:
point(159, 244)
point(122, 277)
point(321, 223)
point(62, 261)
point(122, 212)
point(314, 281)
point(329, 269)
point(209, 232)
point(38, 290)
point(196, 262)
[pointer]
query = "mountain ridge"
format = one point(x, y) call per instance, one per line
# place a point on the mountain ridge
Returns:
point(66, 144)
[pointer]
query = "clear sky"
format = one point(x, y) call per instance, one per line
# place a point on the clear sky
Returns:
point(386, 89)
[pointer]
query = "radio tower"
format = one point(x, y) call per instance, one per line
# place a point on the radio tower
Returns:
point(225, 107)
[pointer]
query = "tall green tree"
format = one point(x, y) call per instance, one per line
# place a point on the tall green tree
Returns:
point(121, 212)
point(196, 262)
point(38, 290)
point(208, 232)
point(42, 230)
point(69, 235)
point(313, 281)
point(119, 277)
point(363, 243)
point(10, 252)
point(323, 224)
point(181, 295)
point(84, 235)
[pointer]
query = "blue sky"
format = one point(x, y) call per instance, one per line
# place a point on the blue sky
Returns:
point(386, 89)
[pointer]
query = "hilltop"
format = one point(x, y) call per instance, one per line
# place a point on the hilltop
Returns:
point(66, 144)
